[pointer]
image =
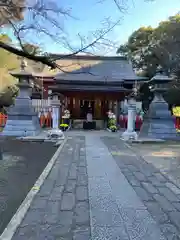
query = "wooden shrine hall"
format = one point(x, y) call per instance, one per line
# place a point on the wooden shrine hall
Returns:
point(97, 82)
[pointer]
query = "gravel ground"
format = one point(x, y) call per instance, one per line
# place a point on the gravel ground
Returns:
point(20, 166)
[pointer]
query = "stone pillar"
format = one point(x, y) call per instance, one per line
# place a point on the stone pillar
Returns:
point(130, 132)
point(55, 103)
point(22, 119)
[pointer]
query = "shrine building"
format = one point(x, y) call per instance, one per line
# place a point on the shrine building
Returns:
point(98, 82)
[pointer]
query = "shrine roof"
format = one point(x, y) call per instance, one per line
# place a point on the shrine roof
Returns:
point(85, 68)
point(96, 68)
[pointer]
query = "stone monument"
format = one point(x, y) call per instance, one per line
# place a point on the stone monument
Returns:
point(55, 103)
point(55, 132)
point(159, 123)
point(22, 119)
point(130, 133)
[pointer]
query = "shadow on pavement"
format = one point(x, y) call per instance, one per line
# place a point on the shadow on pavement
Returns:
point(21, 164)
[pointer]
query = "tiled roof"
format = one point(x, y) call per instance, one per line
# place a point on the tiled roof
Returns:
point(86, 68)
point(108, 69)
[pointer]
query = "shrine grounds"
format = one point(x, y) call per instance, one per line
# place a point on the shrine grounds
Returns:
point(20, 166)
point(99, 188)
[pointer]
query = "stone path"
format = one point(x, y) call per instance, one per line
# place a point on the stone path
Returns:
point(100, 189)
point(156, 190)
point(116, 210)
point(61, 208)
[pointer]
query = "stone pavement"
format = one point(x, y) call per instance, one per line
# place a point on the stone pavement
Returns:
point(146, 174)
point(61, 208)
point(101, 189)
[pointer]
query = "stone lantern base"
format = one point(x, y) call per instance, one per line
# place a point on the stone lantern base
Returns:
point(162, 130)
point(129, 135)
point(22, 124)
point(22, 119)
point(159, 123)
point(163, 126)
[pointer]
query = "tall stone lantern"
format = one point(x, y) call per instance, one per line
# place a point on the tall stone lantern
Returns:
point(22, 119)
point(160, 121)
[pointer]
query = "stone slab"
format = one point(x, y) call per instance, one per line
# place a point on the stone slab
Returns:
point(43, 136)
point(148, 140)
point(112, 197)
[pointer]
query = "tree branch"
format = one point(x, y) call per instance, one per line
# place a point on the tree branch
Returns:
point(41, 17)
point(43, 59)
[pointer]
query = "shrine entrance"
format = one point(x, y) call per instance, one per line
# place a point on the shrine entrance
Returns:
point(79, 103)
point(85, 107)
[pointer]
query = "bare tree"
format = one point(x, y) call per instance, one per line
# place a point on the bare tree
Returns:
point(38, 21)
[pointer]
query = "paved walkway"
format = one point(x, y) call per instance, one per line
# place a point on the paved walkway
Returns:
point(99, 189)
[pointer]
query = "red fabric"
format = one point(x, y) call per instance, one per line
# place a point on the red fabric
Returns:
point(125, 120)
point(177, 122)
point(138, 122)
point(121, 122)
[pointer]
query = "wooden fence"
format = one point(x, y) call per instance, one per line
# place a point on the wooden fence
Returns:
point(41, 105)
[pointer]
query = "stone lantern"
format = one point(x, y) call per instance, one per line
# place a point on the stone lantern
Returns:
point(22, 119)
point(159, 123)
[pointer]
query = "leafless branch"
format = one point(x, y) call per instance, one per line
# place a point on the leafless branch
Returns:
point(121, 5)
point(43, 59)
point(41, 20)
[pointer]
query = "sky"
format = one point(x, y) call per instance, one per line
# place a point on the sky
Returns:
point(139, 13)
point(89, 15)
